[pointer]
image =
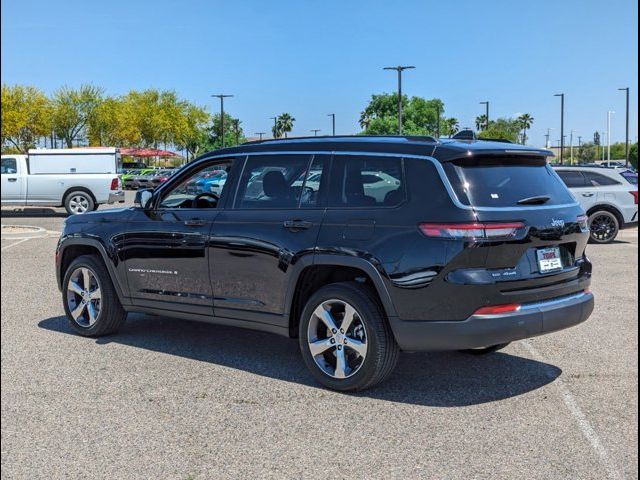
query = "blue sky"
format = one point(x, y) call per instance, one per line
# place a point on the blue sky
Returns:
point(311, 58)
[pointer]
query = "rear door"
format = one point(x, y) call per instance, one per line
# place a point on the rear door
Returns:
point(272, 224)
point(585, 192)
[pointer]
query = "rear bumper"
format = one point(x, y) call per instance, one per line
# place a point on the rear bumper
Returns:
point(116, 197)
point(485, 330)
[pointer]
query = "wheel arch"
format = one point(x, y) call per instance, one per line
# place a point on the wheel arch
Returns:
point(71, 248)
point(70, 190)
point(312, 274)
point(607, 207)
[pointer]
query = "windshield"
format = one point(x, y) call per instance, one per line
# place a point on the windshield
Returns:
point(505, 181)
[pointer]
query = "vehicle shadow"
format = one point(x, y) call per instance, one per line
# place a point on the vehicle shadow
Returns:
point(32, 213)
point(449, 379)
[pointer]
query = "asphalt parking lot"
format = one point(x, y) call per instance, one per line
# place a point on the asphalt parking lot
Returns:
point(173, 399)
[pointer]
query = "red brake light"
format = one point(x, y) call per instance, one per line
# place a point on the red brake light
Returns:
point(635, 196)
point(115, 184)
point(498, 309)
point(472, 230)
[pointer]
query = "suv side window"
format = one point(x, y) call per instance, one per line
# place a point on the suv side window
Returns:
point(572, 179)
point(200, 189)
point(598, 180)
point(366, 181)
point(272, 182)
point(9, 166)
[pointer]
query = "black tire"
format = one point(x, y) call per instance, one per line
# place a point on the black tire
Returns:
point(78, 202)
point(485, 350)
point(382, 350)
point(111, 315)
point(604, 227)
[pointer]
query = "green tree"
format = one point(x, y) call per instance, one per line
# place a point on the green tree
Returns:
point(481, 122)
point(451, 126)
point(26, 116)
point(526, 121)
point(587, 153)
point(419, 116)
point(284, 124)
point(233, 133)
point(502, 129)
point(73, 110)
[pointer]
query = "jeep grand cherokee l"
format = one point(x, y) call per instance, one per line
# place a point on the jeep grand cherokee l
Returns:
point(396, 243)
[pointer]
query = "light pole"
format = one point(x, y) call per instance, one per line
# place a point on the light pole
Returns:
point(333, 123)
point(486, 114)
point(315, 131)
point(626, 138)
point(260, 134)
point(571, 146)
point(609, 113)
point(222, 97)
point(602, 134)
point(548, 145)
point(275, 125)
point(561, 95)
point(439, 113)
point(399, 69)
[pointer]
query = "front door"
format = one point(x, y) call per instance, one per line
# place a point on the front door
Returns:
point(11, 182)
point(274, 221)
point(165, 248)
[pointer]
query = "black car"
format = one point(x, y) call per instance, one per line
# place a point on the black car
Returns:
point(456, 245)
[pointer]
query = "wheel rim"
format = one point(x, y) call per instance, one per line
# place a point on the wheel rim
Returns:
point(79, 204)
point(84, 296)
point(603, 227)
point(337, 339)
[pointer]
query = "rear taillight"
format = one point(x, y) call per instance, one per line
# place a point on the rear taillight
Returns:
point(115, 184)
point(498, 309)
point(635, 196)
point(482, 231)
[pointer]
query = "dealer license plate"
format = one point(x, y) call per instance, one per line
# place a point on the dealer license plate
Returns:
point(549, 260)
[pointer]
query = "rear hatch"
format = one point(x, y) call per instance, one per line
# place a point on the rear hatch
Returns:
point(539, 253)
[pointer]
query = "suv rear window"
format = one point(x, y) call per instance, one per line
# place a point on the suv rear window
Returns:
point(630, 177)
point(503, 181)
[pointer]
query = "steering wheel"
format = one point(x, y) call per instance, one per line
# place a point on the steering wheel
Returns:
point(212, 198)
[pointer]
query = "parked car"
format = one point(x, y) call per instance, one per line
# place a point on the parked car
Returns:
point(609, 196)
point(142, 178)
point(477, 245)
point(160, 176)
point(80, 179)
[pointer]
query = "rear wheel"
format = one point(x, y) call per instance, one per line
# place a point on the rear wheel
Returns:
point(604, 227)
point(345, 339)
point(78, 202)
point(89, 298)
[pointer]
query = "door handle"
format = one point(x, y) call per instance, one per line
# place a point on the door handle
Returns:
point(12, 179)
point(297, 224)
point(195, 222)
point(588, 195)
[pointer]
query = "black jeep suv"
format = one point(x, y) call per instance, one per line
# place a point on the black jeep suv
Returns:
point(359, 246)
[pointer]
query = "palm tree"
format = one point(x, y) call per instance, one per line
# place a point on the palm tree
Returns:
point(481, 122)
point(526, 121)
point(451, 125)
point(285, 124)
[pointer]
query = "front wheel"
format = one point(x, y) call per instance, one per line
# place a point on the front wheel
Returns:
point(345, 339)
point(78, 202)
point(604, 227)
point(90, 301)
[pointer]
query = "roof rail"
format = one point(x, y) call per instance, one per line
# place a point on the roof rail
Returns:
point(411, 138)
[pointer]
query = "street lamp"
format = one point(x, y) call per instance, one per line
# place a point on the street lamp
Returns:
point(260, 134)
point(609, 113)
point(571, 145)
point(333, 123)
point(399, 69)
point(222, 97)
point(548, 145)
point(315, 131)
point(561, 95)
point(626, 141)
point(486, 104)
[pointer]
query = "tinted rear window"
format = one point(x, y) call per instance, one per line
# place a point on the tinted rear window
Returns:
point(630, 177)
point(503, 181)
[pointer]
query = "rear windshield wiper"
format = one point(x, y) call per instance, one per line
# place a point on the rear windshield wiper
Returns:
point(539, 200)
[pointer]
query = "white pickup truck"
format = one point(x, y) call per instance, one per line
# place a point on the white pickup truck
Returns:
point(80, 179)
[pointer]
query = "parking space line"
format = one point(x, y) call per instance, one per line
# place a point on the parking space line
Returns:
point(14, 244)
point(585, 427)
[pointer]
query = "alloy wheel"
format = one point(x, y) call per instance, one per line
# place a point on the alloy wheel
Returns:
point(337, 339)
point(84, 296)
point(78, 204)
point(603, 227)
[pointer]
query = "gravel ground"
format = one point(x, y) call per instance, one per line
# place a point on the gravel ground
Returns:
point(173, 399)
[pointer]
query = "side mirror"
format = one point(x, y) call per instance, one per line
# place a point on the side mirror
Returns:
point(143, 198)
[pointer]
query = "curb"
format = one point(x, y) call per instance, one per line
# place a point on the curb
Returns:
point(34, 232)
